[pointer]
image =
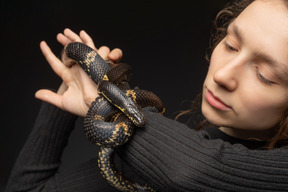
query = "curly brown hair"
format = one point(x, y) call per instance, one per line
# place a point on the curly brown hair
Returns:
point(279, 136)
point(223, 20)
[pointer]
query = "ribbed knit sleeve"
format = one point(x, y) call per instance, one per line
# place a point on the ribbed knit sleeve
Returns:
point(36, 168)
point(169, 156)
point(39, 159)
point(166, 154)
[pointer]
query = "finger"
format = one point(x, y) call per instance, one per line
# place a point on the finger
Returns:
point(104, 52)
point(57, 66)
point(49, 97)
point(115, 55)
point(63, 39)
point(87, 39)
point(72, 36)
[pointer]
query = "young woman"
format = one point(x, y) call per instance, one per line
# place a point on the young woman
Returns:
point(245, 97)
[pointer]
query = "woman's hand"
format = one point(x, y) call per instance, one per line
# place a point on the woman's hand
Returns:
point(77, 90)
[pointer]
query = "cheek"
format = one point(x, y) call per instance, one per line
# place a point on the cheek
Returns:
point(264, 108)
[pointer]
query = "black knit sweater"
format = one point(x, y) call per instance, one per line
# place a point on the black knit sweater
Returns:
point(165, 154)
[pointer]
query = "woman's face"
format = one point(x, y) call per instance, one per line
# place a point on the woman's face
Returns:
point(246, 87)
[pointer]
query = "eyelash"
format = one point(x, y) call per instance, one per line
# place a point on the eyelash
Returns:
point(229, 47)
point(262, 78)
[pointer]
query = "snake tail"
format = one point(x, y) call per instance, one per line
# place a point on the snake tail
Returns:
point(109, 172)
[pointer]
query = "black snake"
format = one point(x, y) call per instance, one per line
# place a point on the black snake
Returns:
point(113, 115)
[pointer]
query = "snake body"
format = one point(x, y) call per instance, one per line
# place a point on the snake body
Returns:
point(113, 116)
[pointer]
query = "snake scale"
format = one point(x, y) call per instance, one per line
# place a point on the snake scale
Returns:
point(113, 116)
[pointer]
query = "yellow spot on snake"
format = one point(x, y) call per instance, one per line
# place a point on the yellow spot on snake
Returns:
point(132, 94)
point(107, 98)
point(90, 57)
point(163, 111)
point(116, 132)
point(98, 117)
point(115, 117)
point(105, 78)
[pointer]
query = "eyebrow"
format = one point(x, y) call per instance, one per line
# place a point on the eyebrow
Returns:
point(280, 67)
point(235, 30)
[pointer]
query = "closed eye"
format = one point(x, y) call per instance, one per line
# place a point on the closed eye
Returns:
point(230, 48)
point(262, 78)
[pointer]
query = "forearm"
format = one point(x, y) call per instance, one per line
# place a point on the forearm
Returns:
point(172, 157)
point(40, 157)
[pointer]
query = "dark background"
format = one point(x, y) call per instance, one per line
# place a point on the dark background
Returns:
point(164, 41)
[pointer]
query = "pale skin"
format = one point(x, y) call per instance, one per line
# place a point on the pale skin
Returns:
point(248, 73)
point(77, 90)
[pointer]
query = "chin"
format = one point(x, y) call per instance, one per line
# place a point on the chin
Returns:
point(213, 117)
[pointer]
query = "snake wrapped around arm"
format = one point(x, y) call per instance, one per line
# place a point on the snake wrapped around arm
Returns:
point(113, 115)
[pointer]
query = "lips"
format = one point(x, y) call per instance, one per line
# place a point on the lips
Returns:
point(216, 102)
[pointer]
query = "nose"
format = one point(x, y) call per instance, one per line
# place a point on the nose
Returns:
point(227, 76)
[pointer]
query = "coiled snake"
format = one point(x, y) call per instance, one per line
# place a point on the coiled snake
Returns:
point(113, 115)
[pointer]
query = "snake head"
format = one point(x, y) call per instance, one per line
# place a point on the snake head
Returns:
point(135, 114)
point(122, 101)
